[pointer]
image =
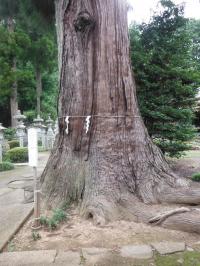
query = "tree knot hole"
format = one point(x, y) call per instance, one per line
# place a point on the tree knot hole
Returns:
point(89, 216)
point(83, 22)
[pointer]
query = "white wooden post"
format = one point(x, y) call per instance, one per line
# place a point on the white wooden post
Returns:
point(1, 141)
point(33, 162)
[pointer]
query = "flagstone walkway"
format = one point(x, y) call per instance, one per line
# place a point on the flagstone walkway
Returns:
point(13, 210)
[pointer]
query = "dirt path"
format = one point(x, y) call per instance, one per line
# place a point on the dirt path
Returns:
point(77, 233)
point(187, 165)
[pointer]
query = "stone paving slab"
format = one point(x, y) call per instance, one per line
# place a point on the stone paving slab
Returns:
point(126, 256)
point(13, 213)
point(137, 252)
point(27, 258)
point(94, 255)
point(68, 258)
point(4, 191)
point(13, 210)
point(164, 248)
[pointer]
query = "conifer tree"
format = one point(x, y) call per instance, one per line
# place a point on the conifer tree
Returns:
point(166, 77)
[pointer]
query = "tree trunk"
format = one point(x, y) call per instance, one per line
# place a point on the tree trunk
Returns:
point(114, 171)
point(38, 89)
point(13, 95)
point(13, 98)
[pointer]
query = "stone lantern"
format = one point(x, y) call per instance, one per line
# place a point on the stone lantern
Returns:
point(50, 133)
point(20, 132)
point(1, 141)
point(19, 117)
point(41, 129)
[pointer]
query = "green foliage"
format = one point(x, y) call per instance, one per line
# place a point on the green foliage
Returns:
point(43, 220)
point(196, 177)
point(30, 116)
point(39, 143)
point(14, 45)
point(52, 224)
point(65, 206)
point(13, 143)
point(166, 77)
point(17, 155)
point(9, 133)
point(6, 166)
point(194, 32)
point(58, 216)
point(36, 236)
point(31, 42)
point(189, 258)
point(11, 246)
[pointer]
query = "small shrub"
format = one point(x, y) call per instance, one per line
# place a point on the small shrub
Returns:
point(65, 206)
point(13, 144)
point(196, 177)
point(39, 143)
point(11, 246)
point(58, 216)
point(6, 166)
point(52, 224)
point(44, 220)
point(36, 236)
point(17, 155)
point(9, 133)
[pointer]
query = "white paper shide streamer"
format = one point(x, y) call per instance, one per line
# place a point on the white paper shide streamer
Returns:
point(67, 123)
point(87, 121)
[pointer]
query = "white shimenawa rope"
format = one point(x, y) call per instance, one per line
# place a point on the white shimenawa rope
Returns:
point(88, 119)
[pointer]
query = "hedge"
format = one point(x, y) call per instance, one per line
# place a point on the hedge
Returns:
point(6, 166)
point(17, 155)
point(196, 177)
point(13, 143)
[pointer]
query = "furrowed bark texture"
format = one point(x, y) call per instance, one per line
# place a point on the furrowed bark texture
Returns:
point(38, 89)
point(114, 170)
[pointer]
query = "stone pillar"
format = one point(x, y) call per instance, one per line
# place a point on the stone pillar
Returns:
point(1, 142)
point(37, 122)
point(50, 134)
point(43, 136)
point(20, 132)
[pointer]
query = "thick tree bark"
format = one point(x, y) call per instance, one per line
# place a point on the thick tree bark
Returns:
point(114, 170)
point(38, 89)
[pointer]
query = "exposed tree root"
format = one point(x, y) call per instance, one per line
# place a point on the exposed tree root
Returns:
point(181, 195)
point(130, 208)
point(161, 217)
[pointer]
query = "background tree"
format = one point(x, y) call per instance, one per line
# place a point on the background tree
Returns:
point(8, 15)
point(194, 32)
point(42, 52)
point(166, 77)
point(114, 170)
point(39, 55)
point(13, 48)
point(43, 59)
